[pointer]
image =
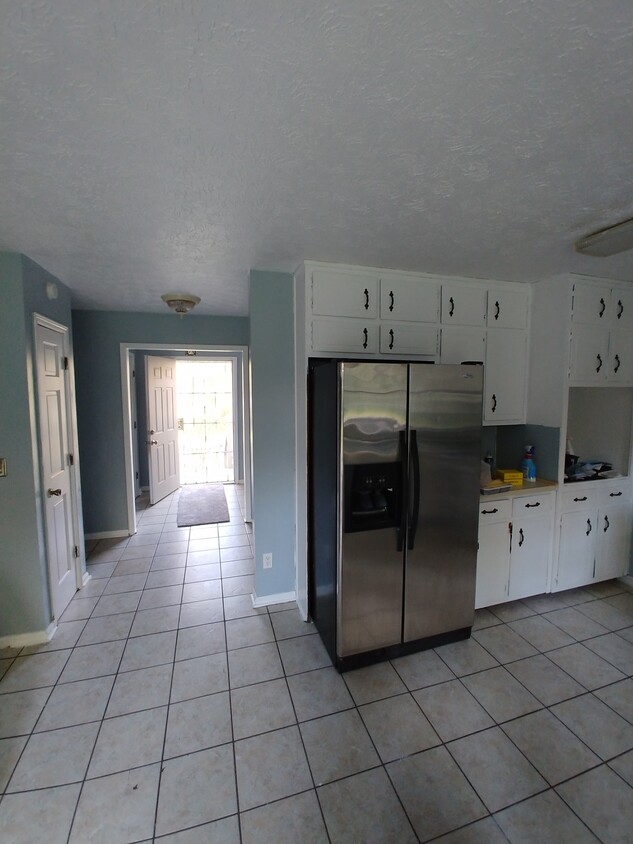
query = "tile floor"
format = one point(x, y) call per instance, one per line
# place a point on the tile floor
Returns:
point(166, 709)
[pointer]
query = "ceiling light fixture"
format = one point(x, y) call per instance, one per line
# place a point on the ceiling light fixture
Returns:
point(607, 242)
point(181, 303)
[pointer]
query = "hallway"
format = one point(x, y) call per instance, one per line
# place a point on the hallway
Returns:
point(168, 709)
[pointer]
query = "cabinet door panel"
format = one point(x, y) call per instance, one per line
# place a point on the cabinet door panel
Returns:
point(589, 354)
point(505, 376)
point(530, 556)
point(409, 299)
point(348, 336)
point(344, 295)
point(592, 304)
point(622, 309)
point(507, 308)
point(613, 542)
point(462, 344)
point(620, 357)
point(462, 305)
point(411, 338)
point(577, 549)
point(493, 562)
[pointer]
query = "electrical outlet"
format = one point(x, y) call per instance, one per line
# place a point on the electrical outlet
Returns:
point(267, 561)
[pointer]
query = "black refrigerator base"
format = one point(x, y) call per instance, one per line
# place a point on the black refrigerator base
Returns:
point(349, 663)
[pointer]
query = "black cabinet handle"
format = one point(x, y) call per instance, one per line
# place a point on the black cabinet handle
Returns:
point(489, 512)
point(620, 308)
point(599, 359)
point(615, 494)
point(366, 336)
point(451, 310)
point(366, 292)
point(584, 498)
point(606, 524)
point(497, 310)
point(603, 308)
point(588, 527)
point(538, 504)
point(391, 300)
point(522, 537)
point(391, 338)
point(494, 402)
point(617, 363)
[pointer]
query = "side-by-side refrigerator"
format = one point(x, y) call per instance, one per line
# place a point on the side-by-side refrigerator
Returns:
point(393, 479)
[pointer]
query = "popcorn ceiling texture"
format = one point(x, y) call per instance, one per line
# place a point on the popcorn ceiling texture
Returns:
point(160, 145)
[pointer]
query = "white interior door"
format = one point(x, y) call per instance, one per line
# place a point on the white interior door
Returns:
point(162, 433)
point(51, 353)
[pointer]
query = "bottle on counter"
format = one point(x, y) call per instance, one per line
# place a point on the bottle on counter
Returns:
point(528, 466)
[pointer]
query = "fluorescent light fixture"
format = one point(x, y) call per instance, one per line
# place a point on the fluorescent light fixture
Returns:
point(607, 242)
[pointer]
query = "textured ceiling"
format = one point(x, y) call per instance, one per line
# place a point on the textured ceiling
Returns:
point(155, 145)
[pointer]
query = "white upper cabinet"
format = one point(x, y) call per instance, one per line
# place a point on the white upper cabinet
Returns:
point(409, 298)
point(504, 377)
point(592, 304)
point(345, 336)
point(344, 294)
point(409, 338)
point(463, 304)
point(507, 308)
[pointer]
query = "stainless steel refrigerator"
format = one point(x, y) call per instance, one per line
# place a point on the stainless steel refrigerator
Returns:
point(393, 477)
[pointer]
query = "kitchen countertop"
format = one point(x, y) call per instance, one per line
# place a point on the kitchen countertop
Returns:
point(539, 485)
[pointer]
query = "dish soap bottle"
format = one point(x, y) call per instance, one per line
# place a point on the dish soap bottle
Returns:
point(527, 464)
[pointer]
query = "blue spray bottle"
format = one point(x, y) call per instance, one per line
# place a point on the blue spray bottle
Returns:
point(527, 464)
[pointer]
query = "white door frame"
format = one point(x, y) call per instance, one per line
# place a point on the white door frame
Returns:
point(243, 360)
point(81, 577)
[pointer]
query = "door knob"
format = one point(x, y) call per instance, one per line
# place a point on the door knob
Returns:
point(152, 442)
point(54, 492)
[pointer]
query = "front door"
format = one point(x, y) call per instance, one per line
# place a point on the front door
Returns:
point(162, 428)
point(50, 349)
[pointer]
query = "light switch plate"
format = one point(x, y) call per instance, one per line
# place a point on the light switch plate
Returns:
point(3, 467)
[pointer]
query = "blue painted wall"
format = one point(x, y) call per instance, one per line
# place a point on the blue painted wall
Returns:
point(24, 599)
point(97, 336)
point(273, 431)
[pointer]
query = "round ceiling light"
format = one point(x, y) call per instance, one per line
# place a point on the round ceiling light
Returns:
point(181, 303)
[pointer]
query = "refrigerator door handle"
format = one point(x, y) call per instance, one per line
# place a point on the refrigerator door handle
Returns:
point(415, 509)
point(402, 529)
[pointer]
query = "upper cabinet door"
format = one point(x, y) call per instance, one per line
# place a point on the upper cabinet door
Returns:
point(622, 309)
point(463, 305)
point(592, 304)
point(460, 345)
point(409, 299)
point(589, 355)
point(507, 308)
point(344, 294)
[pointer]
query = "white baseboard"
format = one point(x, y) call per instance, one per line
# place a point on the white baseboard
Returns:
point(269, 600)
point(107, 534)
point(85, 578)
point(24, 640)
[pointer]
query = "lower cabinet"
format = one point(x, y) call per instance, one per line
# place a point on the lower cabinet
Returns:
point(515, 548)
point(595, 534)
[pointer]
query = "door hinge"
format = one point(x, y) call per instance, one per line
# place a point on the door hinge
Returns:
point(65, 362)
point(76, 550)
point(136, 474)
point(135, 425)
point(133, 373)
point(71, 460)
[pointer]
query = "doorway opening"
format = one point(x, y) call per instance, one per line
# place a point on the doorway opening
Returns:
point(231, 453)
point(206, 414)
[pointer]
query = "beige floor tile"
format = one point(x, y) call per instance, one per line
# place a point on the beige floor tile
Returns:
point(500, 774)
point(303, 654)
point(282, 756)
point(544, 817)
point(435, 794)
point(145, 688)
point(203, 675)
point(76, 703)
point(296, 818)
point(615, 650)
point(547, 682)
point(33, 672)
point(485, 831)
point(398, 727)
point(10, 750)
point(374, 682)
point(319, 692)
point(541, 633)
point(261, 708)
point(466, 657)
point(58, 757)
point(198, 724)
point(422, 669)
point(337, 746)
point(604, 802)
point(619, 696)
point(500, 694)
point(589, 669)
point(19, 711)
point(147, 651)
point(46, 820)
point(452, 710)
point(504, 644)
point(556, 753)
point(365, 808)
point(201, 640)
point(602, 729)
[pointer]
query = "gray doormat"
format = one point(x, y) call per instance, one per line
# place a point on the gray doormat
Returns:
point(202, 504)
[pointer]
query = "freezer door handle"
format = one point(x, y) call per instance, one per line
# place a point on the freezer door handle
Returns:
point(402, 529)
point(415, 471)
